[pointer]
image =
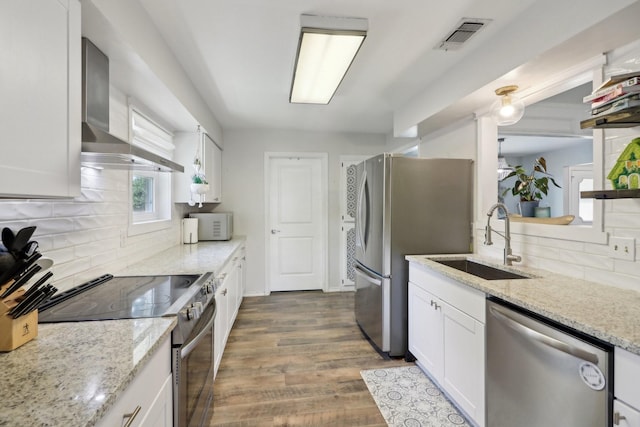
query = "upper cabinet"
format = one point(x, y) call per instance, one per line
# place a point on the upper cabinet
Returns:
point(188, 146)
point(213, 169)
point(40, 83)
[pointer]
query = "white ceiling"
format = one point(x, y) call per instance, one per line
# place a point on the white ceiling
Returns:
point(240, 53)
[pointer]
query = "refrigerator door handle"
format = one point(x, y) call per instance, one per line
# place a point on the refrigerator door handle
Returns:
point(360, 272)
point(363, 212)
point(542, 338)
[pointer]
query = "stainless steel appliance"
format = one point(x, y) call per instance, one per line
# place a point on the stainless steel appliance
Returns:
point(405, 206)
point(540, 374)
point(99, 147)
point(214, 225)
point(189, 297)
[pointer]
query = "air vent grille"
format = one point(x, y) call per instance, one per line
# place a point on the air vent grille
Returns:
point(465, 29)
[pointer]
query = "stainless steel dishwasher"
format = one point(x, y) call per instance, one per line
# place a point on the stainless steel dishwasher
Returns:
point(540, 374)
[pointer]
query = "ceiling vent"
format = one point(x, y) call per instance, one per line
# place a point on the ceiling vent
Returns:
point(465, 29)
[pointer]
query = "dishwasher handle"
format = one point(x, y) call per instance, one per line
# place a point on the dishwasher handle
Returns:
point(542, 338)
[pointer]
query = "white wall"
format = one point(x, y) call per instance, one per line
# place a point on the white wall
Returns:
point(457, 141)
point(87, 236)
point(243, 187)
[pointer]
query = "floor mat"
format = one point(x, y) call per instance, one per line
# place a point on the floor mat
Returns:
point(406, 397)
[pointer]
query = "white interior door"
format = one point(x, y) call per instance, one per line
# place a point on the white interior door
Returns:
point(297, 217)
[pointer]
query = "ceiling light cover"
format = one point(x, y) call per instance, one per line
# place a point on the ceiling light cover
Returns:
point(508, 109)
point(323, 58)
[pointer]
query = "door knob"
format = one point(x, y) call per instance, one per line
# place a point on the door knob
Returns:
point(274, 231)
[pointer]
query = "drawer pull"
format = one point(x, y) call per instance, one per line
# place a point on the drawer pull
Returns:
point(131, 416)
point(617, 418)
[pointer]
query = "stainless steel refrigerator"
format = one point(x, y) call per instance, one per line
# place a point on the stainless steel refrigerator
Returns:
point(405, 206)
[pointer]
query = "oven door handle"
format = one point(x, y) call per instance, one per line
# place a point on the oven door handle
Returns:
point(188, 347)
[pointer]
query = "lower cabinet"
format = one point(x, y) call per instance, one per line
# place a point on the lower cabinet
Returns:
point(147, 401)
point(446, 335)
point(229, 294)
point(626, 406)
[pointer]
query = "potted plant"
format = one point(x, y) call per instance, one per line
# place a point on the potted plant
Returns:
point(530, 187)
point(199, 184)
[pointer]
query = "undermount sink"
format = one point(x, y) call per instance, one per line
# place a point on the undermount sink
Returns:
point(480, 270)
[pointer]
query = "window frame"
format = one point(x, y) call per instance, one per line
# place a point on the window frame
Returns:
point(144, 134)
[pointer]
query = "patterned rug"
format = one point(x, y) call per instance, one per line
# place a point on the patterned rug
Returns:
point(407, 398)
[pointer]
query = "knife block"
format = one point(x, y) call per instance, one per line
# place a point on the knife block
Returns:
point(16, 332)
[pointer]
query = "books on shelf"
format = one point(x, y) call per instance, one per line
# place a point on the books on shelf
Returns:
point(623, 102)
point(605, 94)
point(617, 94)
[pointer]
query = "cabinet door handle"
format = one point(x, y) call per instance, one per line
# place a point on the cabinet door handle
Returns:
point(617, 418)
point(435, 305)
point(131, 416)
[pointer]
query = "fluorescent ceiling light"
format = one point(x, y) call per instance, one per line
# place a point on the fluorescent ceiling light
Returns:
point(325, 52)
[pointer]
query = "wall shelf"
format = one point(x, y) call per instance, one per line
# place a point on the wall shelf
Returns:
point(621, 119)
point(610, 194)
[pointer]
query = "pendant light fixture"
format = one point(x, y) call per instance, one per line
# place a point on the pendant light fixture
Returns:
point(503, 167)
point(508, 109)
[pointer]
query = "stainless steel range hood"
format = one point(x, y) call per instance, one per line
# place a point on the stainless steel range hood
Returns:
point(99, 147)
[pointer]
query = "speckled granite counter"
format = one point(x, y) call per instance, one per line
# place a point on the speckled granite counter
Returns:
point(187, 259)
point(72, 373)
point(608, 313)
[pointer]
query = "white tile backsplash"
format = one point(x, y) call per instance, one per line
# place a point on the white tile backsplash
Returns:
point(87, 237)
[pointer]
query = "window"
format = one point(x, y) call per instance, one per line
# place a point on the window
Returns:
point(579, 178)
point(150, 199)
point(143, 194)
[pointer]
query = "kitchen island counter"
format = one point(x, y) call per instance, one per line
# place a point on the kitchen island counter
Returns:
point(195, 258)
point(72, 373)
point(605, 312)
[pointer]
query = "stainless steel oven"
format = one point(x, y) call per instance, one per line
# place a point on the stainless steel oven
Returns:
point(193, 372)
point(189, 297)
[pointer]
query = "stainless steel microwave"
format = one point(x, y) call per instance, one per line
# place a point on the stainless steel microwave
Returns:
point(214, 226)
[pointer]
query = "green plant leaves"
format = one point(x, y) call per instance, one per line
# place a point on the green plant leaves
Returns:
point(529, 187)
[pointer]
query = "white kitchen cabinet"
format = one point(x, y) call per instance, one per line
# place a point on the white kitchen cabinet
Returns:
point(626, 406)
point(425, 330)
point(242, 265)
point(446, 335)
point(213, 167)
point(229, 294)
point(625, 415)
point(150, 390)
point(40, 83)
point(187, 144)
point(220, 327)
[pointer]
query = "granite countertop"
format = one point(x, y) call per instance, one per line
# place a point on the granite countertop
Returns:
point(193, 258)
point(605, 312)
point(72, 373)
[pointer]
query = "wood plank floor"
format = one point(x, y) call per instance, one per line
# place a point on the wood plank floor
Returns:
point(294, 359)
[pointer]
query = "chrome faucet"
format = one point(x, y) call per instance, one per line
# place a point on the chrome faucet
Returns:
point(509, 258)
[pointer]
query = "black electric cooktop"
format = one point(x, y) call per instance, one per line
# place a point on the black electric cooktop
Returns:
point(127, 297)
